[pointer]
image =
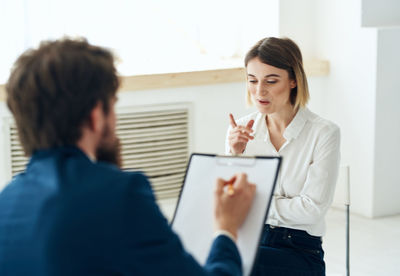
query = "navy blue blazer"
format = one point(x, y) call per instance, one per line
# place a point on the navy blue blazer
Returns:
point(66, 215)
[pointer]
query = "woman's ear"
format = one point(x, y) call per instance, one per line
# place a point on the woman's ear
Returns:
point(292, 84)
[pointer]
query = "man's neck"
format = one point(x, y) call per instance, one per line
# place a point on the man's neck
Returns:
point(87, 143)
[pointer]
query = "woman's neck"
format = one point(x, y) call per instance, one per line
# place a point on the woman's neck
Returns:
point(281, 119)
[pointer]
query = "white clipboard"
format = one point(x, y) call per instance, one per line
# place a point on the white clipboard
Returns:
point(194, 216)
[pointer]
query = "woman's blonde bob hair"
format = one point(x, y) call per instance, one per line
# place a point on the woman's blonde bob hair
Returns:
point(282, 53)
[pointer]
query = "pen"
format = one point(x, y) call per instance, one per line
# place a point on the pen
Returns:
point(231, 190)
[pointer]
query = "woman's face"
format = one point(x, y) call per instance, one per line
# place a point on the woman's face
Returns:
point(269, 86)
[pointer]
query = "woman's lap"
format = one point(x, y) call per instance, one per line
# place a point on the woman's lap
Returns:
point(286, 251)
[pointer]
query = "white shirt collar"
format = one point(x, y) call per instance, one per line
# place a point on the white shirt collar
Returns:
point(292, 131)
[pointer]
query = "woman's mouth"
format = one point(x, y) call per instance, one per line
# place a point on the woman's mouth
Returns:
point(263, 102)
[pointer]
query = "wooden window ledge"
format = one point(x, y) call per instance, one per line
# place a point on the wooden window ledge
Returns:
point(313, 68)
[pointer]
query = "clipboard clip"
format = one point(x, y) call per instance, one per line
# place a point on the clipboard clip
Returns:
point(242, 161)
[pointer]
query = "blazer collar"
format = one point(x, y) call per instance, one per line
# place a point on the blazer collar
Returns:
point(62, 150)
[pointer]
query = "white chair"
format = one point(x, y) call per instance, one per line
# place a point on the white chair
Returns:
point(347, 204)
point(342, 195)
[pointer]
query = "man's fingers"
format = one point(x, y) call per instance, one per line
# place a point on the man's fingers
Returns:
point(241, 184)
point(219, 186)
point(232, 121)
point(241, 180)
point(252, 187)
point(232, 180)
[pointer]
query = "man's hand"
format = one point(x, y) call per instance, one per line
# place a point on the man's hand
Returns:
point(233, 199)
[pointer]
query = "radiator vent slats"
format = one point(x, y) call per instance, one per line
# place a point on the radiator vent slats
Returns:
point(155, 142)
point(18, 158)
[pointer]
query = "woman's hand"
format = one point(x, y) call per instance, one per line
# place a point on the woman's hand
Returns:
point(239, 136)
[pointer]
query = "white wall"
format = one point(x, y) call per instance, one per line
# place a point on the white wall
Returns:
point(387, 129)
point(360, 94)
point(297, 21)
point(379, 13)
point(347, 95)
point(350, 91)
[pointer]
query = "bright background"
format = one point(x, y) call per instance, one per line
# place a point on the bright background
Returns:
point(360, 39)
point(152, 36)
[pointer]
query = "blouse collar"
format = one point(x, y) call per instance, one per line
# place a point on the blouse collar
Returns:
point(292, 131)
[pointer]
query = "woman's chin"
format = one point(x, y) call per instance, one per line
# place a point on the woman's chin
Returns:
point(265, 109)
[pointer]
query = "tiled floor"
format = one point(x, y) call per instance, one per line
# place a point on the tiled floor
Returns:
point(374, 243)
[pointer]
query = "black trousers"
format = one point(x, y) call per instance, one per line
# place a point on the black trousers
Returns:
point(285, 251)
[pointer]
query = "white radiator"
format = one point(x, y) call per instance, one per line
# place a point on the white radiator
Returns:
point(17, 159)
point(155, 140)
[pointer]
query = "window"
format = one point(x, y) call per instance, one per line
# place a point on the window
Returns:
point(152, 36)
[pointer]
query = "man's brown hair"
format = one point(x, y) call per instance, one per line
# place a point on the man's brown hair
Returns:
point(52, 90)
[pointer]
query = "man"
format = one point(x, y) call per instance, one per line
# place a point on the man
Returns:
point(70, 213)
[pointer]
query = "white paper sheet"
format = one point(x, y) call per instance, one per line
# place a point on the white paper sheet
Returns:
point(194, 216)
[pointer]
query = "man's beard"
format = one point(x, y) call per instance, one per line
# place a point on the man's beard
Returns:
point(109, 149)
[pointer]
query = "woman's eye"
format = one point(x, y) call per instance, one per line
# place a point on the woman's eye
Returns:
point(252, 81)
point(271, 81)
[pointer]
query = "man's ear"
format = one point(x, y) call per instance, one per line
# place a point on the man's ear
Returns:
point(96, 118)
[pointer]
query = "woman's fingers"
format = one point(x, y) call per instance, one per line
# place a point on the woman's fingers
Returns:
point(242, 133)
point(241, 129)
point(240, 140)
point(232, 121)
point(239, 135)
point(250, 124)
point(245, 128)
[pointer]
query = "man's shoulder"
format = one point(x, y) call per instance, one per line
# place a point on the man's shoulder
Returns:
point(106, 178)
point(129, 174)
point(68, 175)
point(103, 169)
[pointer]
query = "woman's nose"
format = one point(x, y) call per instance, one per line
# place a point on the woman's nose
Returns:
point(261, 90)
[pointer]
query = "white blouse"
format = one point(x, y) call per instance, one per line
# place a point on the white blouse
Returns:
point(310, 162)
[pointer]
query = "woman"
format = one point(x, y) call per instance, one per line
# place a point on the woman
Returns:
point(283, 126)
